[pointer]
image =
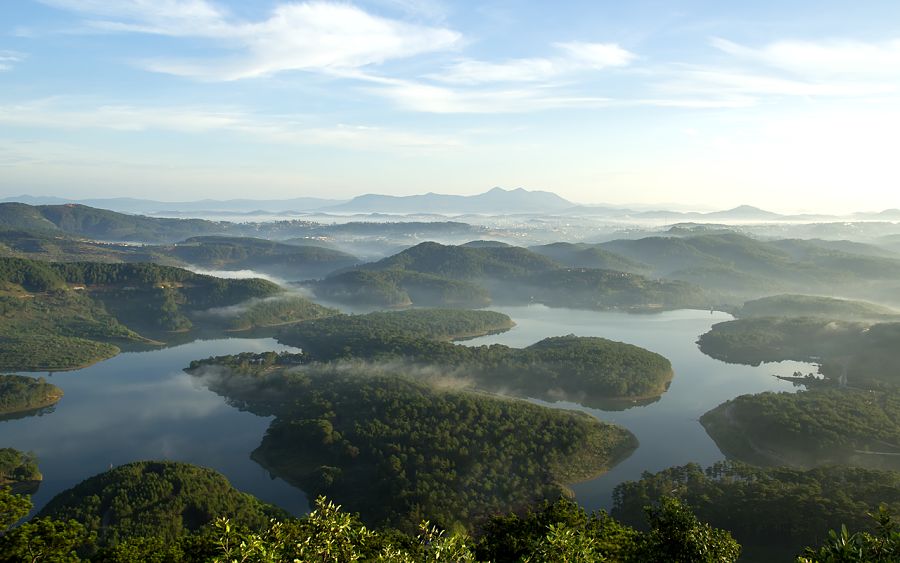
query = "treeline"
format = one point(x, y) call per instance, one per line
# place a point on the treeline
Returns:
point(21, 393)
point(397, 450)
point(178, 513)
point(552, 532)
point(772, 512)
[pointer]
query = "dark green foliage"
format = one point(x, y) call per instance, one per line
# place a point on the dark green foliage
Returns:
point(396, 450)
point(432, 324)
point(13, 508)
point(774, 511)
point(513, 537)
point(155, 499)
point(810, 428)
point(392, 288)
point(676, 536)
point(20, 393)
point(880, 546)
point(45, 540)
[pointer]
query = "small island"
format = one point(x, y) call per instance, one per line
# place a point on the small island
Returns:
point(587, 370)
point(396, 449)
point(21, 394)
point(162, 499)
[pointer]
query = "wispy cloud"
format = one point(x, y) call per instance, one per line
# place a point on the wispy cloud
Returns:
point(828, 69)
point(8, 59)
point(576, 57)
point(312, 36)
point(54, 113)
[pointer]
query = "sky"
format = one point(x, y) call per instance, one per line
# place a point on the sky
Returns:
point(789, 105)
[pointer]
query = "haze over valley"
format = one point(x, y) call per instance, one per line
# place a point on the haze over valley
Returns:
point(419, 281)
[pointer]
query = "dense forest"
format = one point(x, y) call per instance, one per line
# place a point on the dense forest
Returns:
point(160, 499)
point(21, 393)
point(177, 513)
point(397, 449)
point(591, 371)
point(772, 512)
point(69, 315)
point(810, 428)
point(860, 354)
point(432, 274)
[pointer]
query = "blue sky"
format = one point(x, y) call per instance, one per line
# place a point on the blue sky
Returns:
point(790, 105)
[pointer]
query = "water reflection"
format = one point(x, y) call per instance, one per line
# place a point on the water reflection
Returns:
point(669, 430)
point(140, 405)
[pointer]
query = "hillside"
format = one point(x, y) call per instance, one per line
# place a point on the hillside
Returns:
point(394, 448)
point(432, 274)
point(290, 261)
point(583, 255)
point(162, 499)
point(68, 315)
point(739, 267)
point(816, 306)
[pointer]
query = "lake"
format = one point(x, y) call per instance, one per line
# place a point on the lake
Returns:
point(141, 405)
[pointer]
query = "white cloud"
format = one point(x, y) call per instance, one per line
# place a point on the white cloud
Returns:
point(823, 58)
point(313, 36)
point(828, 69)
point(577, 56)
point(8, 59)
point(53, 113)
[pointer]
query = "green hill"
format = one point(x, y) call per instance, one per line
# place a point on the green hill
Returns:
point(431, 274)
point(101, 224)
point(583, 255)
point(395, 449)
point(68, 315)
point(740, 267)
point(816, 306)
point(772, 512)
point(237, 253)
point(162, 499)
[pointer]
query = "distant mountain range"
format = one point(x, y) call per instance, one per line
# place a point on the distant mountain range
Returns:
point(137, 205)
point(494, 202)
point(497, 201)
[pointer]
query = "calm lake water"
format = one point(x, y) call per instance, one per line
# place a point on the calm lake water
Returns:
point(140, 406)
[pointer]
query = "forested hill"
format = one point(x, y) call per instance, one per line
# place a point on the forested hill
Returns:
point(466, 262)
point(102, 224)
point(398, 449)
point(35, 275)
point(432, 274)
point(742, 267)
point(161, 499)
point(68, 315)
